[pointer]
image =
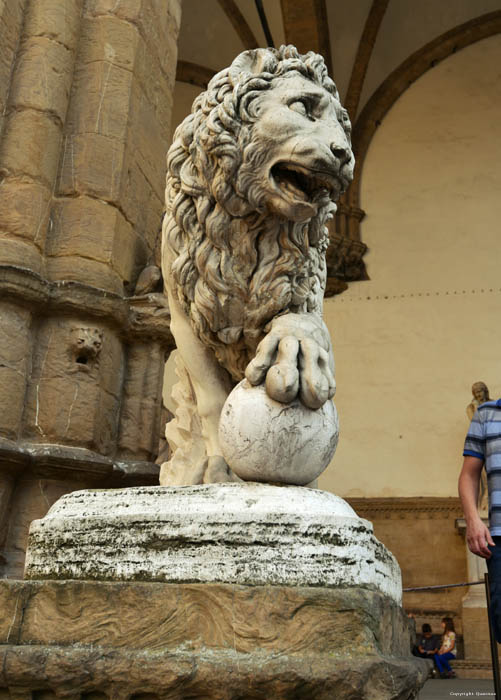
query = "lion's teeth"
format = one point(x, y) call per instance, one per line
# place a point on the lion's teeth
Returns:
point(293, 189)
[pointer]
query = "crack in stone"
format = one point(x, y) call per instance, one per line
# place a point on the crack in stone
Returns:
point(43, 494)
point(75, 396)
point(103, 91)
point(14, 618)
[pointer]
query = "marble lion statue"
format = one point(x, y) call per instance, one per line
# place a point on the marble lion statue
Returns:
point(253, 174)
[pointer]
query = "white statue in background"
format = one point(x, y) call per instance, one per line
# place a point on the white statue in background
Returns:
point(253, 173)
point(480, 394)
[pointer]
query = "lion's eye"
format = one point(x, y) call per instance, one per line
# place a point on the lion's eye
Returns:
point(345, 120)
point(300, 107)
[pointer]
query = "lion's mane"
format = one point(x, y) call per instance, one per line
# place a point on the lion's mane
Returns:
point(234, 266)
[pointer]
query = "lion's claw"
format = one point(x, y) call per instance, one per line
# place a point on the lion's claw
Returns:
point(258, 367)
point(282, 379)
point(317, 383)
point(294, 364)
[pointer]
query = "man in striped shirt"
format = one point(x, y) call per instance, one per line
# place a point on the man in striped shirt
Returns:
point(483, 446)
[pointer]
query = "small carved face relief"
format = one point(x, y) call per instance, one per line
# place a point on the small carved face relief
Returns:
point(306, 133)
point(85, 346)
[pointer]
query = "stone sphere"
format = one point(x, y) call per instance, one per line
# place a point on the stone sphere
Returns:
point(265, 440)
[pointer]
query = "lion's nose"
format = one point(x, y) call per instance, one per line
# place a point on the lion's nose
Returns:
point(341, 153)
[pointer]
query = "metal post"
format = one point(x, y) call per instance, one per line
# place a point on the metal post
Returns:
point(494, 646)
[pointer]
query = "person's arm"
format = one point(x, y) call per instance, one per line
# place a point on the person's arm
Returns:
point(435, 646)
point(477, 534)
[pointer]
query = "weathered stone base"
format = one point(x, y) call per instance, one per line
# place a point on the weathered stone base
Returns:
point(204, 676)
point(76, 639)
point(245, 533)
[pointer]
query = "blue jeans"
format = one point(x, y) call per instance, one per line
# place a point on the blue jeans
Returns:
point(442, 661)
point(494, 568)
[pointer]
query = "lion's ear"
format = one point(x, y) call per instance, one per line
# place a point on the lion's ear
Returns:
point(252, 62)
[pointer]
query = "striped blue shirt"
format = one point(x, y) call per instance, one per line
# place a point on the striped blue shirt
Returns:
point(484, 441)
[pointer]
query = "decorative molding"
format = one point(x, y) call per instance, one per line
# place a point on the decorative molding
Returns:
point(462, 664)
point(194, 74)
point(141, 317)
point(407, 73)
point(239, 23)
point(53, 461)
point(67, 463)
point(302, 32)
point(364, 53)
point(402, 508)
point(348, 219)
point(344, 263)
point(431, 614)
point(149, 315)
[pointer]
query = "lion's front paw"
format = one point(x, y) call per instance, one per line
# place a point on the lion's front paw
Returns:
point(292, 366)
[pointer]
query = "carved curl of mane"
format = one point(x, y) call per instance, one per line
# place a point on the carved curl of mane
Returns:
point(227, 281)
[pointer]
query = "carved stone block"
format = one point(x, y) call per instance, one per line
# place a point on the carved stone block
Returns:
point(30, 145)
point(206, 642)
point(15, 331)
point(75, 386)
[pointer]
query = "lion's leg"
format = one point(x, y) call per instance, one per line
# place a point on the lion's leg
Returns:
point(210, 382)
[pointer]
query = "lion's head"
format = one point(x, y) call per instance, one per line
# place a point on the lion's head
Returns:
point(252, 175)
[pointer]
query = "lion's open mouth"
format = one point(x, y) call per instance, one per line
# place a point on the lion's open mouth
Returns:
point(299, 183)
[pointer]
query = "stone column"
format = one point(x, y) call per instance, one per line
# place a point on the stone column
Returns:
point(85, 102)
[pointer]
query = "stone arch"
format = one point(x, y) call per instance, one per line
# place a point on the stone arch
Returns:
point(397, 83)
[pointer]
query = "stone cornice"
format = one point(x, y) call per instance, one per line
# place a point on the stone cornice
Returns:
point(66, 462)
point(376, 508)
point(138, 318)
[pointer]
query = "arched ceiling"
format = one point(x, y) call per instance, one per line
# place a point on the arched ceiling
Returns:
point(374, 49)
point(366, 39)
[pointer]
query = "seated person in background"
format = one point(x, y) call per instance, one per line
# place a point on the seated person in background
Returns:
point(428, 643)
point(447, 649)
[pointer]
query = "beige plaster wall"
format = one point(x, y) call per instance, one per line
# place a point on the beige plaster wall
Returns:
point(410, 342)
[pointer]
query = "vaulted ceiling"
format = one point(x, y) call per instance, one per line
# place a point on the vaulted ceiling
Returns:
point(374, 50)
point(363, 41)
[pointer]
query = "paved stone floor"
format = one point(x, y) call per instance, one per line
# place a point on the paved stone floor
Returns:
point(450, 689)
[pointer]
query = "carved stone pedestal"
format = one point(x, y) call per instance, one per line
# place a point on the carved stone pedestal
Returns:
point(72, 639)
point(220, 592)
point(242, 533)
